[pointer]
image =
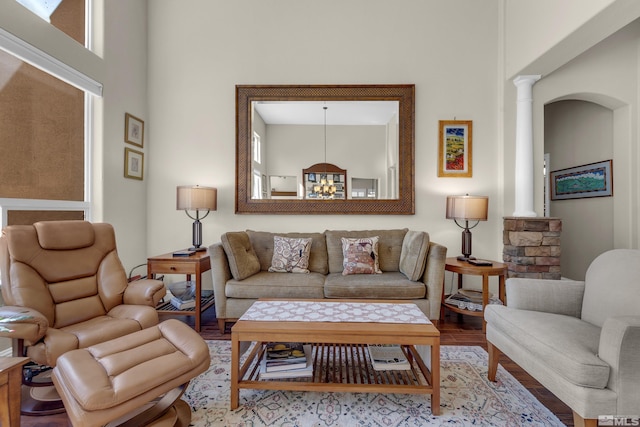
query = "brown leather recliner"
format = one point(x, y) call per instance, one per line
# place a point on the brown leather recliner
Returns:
point(65, 288)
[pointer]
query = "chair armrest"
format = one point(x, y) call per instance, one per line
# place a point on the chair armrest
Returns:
point(433, 277)
point(619, 347)
point(144, 292)
point(550, 296)
point(220, 275)
point(22, 323)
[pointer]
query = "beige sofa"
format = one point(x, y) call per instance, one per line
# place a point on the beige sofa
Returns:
point(412, 269)
point(580, 339)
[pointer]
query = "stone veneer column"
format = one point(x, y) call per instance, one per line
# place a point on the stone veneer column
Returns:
point(532, 247)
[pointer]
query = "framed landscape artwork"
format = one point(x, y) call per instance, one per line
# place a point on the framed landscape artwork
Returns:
point(454, 149)
point(591, 180)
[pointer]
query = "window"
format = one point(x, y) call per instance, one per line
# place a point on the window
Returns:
point(44, 125)
point(256, 147)
point(68, 16)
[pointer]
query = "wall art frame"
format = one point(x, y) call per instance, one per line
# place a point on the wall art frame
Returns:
point(403, 201)
point(133, 164)
point(133, 130)
point(455, 154)
point(580, 182)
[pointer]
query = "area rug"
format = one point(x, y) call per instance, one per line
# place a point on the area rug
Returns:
point(467, 398)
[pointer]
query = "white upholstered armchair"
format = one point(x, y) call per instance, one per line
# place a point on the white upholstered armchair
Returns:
point(580, 339)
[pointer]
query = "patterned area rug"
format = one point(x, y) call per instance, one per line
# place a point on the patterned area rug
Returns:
point(467, 398)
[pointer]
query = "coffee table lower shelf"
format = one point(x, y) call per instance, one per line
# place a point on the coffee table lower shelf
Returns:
point(342, 368)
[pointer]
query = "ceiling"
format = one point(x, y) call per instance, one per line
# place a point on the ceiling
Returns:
point(338, 112)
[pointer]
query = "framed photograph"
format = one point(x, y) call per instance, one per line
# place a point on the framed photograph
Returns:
point(133, 164)
point(591, 180)
point(454, 149)
point(133, 130)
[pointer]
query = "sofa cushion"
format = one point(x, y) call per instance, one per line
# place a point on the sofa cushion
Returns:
point(413, 257)
point(262, 242)
point(290, 255)
point(243, 261)
point(570, 344)
point(360, 256)
point(390, 285)
point(277, 285)
point(389, 247)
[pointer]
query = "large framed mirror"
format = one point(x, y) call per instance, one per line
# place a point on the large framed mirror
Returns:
point(367, 130)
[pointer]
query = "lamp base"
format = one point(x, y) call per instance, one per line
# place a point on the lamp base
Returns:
point(198, 249)
point(465, 258)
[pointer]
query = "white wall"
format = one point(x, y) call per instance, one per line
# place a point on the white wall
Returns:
point(577, 133)
point(542, 35)
point(199, 51)
point(124, 200)
point(606, 74)
point(361, 150)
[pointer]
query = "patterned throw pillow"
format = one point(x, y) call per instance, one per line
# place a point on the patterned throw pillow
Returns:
point(360, 256)
point(290, 255)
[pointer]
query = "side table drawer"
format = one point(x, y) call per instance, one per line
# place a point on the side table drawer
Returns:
point(172, 267)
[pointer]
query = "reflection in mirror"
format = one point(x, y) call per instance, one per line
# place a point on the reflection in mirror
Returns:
point(364, 131)
point(364, 188)
point(283, 187)
point(360, 137)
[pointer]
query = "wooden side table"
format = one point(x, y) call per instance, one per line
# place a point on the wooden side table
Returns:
point(10, 389)
point(463, 267)
point(195, 264)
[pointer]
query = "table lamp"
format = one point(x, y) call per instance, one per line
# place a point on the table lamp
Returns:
point(467, 208)
point(198, 199)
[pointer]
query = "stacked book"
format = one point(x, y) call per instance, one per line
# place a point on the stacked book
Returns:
point(286, 360)
point(386, 357)
point(181, 305)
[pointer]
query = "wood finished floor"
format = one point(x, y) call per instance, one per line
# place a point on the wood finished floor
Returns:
point(455, 330)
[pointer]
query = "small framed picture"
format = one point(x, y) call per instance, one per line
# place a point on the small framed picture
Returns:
point(580, 182)
point(133, 130)
point(133, 164)
point(454, 149)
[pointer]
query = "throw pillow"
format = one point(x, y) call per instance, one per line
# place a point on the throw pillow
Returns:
point(243, 261)
point(360, 256)
point(413, 257)
point(290, 255)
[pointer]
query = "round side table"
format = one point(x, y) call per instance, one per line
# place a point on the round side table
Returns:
point(461, 268)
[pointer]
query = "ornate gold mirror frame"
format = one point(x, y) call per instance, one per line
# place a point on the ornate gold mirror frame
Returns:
point(404, 94)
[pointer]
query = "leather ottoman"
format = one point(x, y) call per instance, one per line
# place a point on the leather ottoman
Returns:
point(119, 378)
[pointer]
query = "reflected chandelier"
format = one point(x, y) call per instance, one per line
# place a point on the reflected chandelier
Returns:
point(326, 189)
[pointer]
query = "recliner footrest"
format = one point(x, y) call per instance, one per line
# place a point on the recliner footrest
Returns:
point(107, 381)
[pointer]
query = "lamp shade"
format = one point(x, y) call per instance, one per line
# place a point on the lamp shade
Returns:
point(468, 208)
point(196, 198)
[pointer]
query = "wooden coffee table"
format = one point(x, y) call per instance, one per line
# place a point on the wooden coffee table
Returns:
point(341, 361)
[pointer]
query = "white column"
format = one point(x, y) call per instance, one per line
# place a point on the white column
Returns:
point(524, 146)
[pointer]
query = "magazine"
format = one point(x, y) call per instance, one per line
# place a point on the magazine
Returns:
point(284, 356)
point(305, 372)
point(387, 356)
